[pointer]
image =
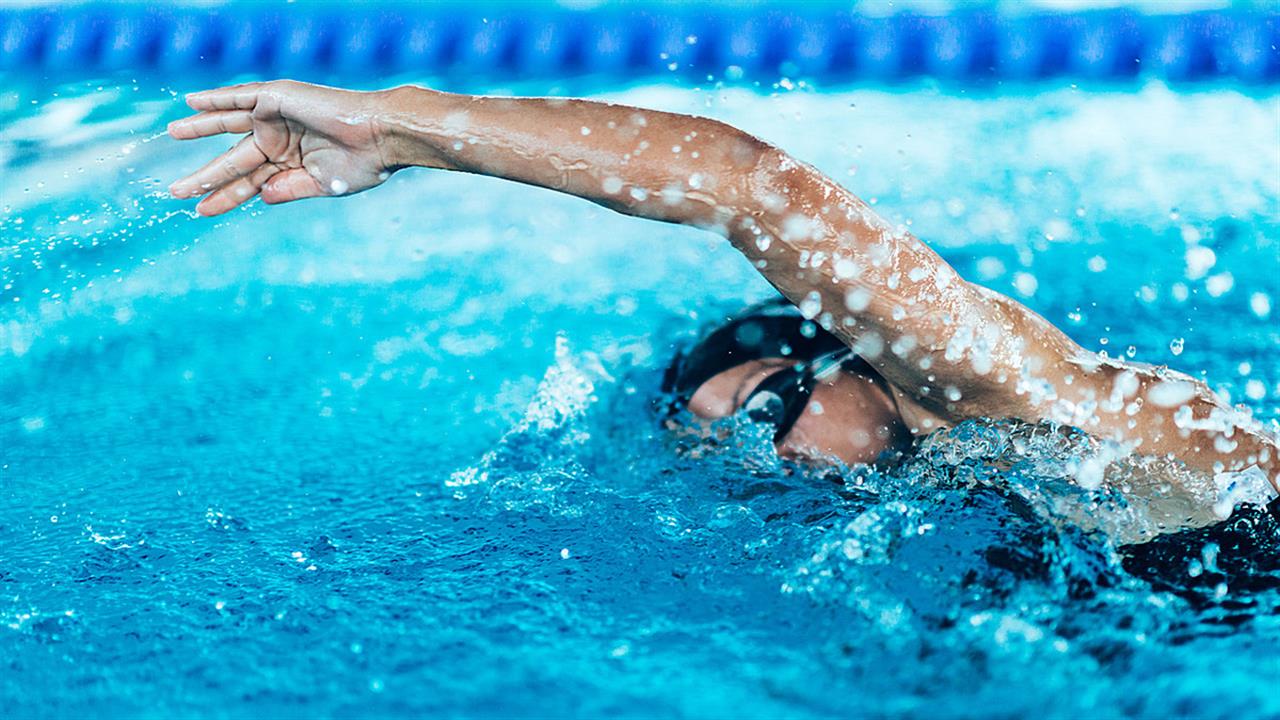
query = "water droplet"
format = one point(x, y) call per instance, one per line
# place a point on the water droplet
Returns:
point(857, 299)
point(1025, 283)
point(811, 305)
point(1260, 304)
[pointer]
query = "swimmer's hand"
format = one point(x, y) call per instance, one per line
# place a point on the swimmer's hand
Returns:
point(303, 141)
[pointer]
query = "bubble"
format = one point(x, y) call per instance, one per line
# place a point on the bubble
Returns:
point(869, 345)
point(846, 268)
point(1025, 283)
point(612, 185)
point(811, 305)
point(1055, 229)
point(1176, 345)
point(1171, 393)
point(1090, 472)
point(990, 268)
point(1220, 284)
point(1260, 304)
point(857, 299)
point(903, 345)
point(1199, 261)
point(339, 186)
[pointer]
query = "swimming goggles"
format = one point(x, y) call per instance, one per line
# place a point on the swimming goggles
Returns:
point(773, 329)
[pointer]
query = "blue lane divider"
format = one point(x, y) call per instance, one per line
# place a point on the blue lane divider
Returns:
point(756, 43)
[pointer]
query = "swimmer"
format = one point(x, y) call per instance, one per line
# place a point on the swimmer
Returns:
point(881, 342)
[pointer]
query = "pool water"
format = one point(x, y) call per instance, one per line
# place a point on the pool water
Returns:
point(393, 454)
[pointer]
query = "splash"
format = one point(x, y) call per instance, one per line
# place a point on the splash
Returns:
point(550, 429)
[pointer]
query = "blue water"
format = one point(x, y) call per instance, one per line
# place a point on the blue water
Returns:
point(391, 455)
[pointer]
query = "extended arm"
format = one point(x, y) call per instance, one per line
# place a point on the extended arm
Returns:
point(883, 291)
point(948, 345)
point(951, 349)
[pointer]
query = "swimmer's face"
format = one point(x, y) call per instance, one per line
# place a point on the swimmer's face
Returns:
point(849, 416)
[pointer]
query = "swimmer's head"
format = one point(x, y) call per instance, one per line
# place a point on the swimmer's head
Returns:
point(821, 399)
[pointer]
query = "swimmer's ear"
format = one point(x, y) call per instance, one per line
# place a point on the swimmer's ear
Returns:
point(290, 185)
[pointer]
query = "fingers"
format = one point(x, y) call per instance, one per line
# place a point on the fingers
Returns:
point(275, 186)
point(232, 97)
point(236, 192)
point(291, 185)
point(213, 122)
point(235, 163)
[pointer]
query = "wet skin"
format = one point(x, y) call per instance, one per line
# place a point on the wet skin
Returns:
point(944, 349)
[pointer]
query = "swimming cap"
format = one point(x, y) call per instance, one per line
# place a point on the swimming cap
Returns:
point(771, 329)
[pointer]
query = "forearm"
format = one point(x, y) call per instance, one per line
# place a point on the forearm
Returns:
point(651, 164)
point(878, 288)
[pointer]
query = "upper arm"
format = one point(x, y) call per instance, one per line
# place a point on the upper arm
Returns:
point(956, 348)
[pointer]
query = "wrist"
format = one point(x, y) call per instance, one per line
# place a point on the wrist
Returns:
point(398, 114)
